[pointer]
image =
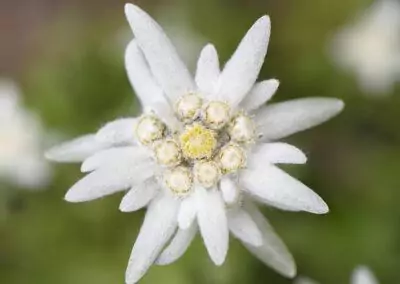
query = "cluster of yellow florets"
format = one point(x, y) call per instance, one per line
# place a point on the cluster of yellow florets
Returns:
point(211, 144)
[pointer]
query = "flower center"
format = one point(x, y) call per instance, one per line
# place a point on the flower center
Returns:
point(188, 107)
point(149, 129)
point(167, 153)
point(198, 142)
point(242, 129)
point(207, 173)
point(232, 158)
point(179, 180)
point(216, 114)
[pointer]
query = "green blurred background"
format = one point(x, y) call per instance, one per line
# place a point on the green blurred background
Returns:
point(67, 57)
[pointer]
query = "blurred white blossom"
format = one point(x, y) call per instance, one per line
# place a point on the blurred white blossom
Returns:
point(21, 161)
point(361, 275)
point(370, 47)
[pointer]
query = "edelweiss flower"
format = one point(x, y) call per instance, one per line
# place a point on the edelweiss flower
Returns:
point(371, 47)
point(201, 150)
point(361, 275)
point(21, 161)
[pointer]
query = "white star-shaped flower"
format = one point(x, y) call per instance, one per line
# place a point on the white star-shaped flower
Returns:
point(361, 275)
point(201, 151)
point(21, 159)
point(370, 47)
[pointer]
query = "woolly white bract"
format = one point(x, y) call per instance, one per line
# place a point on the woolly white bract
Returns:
point(202, 150)
point(361, 275)
point(370, 47)
point(21, 158)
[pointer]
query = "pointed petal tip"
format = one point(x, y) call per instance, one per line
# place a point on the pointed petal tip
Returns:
point(337, 105)
point(292, 271)
point(210, 48)
point(264, 21)
point(70, 196)
point(50, 155)
point(85, 168)
point(321, 209)
point(122, 207)
point(340, 105)
point(129, 8)
point(219, 261)
point(275, 82)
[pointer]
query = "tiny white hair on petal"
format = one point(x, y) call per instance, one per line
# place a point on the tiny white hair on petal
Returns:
point(272, 184)
point(187, 212)
point(158, 227)
point(276, 153)
point(260, 94)
point(139, 196)
point(213, 224)
point(241, 71)
point(109, 180)
point(117, 132)
point(273, 251)
point(363, 275)
point(109, 156)
point(140, 76)
point(178, 245)
point(208, 71)
point(76, 150)
point(165, 64)
point(243, 227)
point(283, 119)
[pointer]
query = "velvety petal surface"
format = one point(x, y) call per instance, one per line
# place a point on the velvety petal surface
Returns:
point(277, 187)
point(76, 150)
point(158, 227)
point(283, 119)
point(213, 223)
point(273, 251)
point(241, 71)
point(165, 64)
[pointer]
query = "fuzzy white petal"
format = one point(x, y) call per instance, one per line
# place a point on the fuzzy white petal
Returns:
point(213, 223)
point(362, 275)
point(139, 196)
point(114, 155)
point(272, 204)
point(178, 245)
point(187, 212)
point(276, 153)
point(277, 187)
point(109, 180)
point(241, 71)
point(243, 227)
point(140, 76)
point(273, 251)
point(76, 150)
point(261, 93)
point(283, 119)
point(208, 71)
point(164, 62)
point(158, 227)
point(229, 190)
point(120, 131)
point(167, 115)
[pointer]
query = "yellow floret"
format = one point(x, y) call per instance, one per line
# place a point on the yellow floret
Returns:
point(198, 142)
